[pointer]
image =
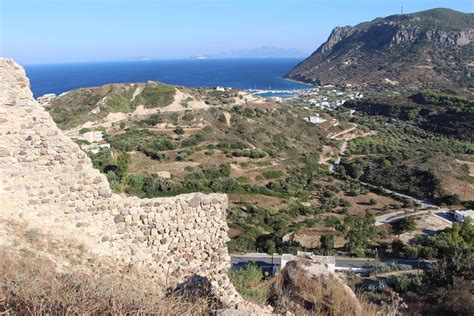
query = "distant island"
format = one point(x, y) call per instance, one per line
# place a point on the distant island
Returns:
point(259, 52)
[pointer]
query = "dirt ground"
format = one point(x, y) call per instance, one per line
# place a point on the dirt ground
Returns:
point(361, 202)
point(426, 224)
point(309, 237)
point(256, 199)
point(143, 164)
point(216, 158)
point(451, 185)
point(470, 164)
point(252, 172)
point(328, 153)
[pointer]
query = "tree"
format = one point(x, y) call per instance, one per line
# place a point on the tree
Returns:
point(406, 224)
point(386, 163)
point(179, 130)
point(358, 230)
point(123, 161)
point(326, 244)
point(452, 199)
point(445, 271)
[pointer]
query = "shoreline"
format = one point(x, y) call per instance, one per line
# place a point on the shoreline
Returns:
point(302, 82)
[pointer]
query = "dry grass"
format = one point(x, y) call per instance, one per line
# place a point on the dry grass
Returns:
point(30, 285)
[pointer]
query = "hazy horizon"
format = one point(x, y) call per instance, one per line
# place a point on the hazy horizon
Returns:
point(53, 31)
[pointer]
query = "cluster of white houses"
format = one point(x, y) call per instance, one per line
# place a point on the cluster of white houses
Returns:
point(329, 97)
point(46, 98)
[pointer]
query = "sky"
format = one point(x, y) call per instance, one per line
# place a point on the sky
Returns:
point(54, 31)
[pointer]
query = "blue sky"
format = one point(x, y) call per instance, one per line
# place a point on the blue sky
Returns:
point(49, 31)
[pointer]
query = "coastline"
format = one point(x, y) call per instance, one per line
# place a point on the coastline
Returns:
point(240, 74)
point(301, 82)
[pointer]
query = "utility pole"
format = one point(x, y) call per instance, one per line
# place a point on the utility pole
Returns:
point(465, 188)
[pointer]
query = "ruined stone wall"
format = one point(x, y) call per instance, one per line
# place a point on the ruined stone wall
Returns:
point(46, 181)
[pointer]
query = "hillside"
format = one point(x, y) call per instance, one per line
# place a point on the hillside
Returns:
point(441, 113)
point(70, 244)
point(424, 49)
point(265, 155)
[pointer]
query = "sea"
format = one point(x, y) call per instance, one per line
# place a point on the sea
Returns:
point(262, 76)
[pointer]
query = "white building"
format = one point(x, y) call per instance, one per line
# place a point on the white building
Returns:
point(45, 99)
point(461, 216)
point(95, 148)
point(93, 136)
point(315, 119)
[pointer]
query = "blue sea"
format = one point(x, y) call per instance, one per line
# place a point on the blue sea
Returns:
point(260, 74)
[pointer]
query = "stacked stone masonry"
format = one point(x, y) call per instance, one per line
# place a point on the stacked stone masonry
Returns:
point(46, 178)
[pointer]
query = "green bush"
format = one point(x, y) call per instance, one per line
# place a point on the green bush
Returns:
point(179, 130)
point(274, 174)
point(247, 282)
point(221, 118)
point(187, 117)
point(153, 119)
point(156, 95)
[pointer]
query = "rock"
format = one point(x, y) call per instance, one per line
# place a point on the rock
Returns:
point(195, 201)
point(119, 218)
point(4, 152)
point(232, 312)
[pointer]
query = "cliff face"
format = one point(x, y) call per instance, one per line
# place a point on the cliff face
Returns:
point(429, 48)
point(48, 186)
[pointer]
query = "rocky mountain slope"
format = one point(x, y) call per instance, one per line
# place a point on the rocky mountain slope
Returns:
point(429, 48)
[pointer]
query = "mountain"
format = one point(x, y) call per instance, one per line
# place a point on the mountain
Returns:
point(424, 49)
point(259, 52)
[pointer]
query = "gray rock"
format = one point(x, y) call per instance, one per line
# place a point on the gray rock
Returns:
point(232, 312)
point(195, 201)
point(119, 218)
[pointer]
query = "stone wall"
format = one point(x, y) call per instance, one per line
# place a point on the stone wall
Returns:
point(47, 182)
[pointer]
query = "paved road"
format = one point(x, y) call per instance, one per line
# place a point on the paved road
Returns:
point(392, 217)
point(422, 203)
point(255, 257)
point(341, 262)
point(365, 262)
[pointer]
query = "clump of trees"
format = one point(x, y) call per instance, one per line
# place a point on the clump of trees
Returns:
point(358, 230)
point(115, 167)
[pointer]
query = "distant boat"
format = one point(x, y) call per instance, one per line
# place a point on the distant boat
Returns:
point(199, 57)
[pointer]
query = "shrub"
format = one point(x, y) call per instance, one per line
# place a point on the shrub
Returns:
point(156, 95)
point(153, 119)
point(247, 282)
point(221, 118)
point(84, 130)
point(274, 174)
point(188, 117)
point(179, 130)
